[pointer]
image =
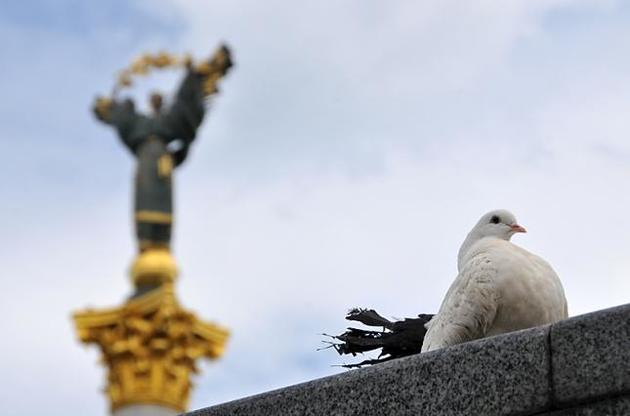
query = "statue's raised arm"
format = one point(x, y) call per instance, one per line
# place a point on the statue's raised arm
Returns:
point(183, 118)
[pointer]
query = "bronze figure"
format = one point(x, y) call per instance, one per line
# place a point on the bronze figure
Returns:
point(161, 141)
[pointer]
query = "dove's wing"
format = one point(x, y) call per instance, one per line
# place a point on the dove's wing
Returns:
point(469, 308)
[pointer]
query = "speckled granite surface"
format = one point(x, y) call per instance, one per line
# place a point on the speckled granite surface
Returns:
point(572, 368)
point(619, 406)
point(591, 355)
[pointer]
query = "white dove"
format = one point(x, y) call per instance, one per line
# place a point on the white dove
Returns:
point(500, 287)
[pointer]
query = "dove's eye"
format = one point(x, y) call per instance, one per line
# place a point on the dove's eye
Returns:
point(495, 219)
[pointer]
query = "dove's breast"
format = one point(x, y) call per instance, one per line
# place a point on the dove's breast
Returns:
point(529, 290)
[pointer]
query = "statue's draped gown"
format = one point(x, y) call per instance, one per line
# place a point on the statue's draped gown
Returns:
point(148, 138)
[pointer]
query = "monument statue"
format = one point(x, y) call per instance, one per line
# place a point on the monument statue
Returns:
point(150, 344)
point(161, 141)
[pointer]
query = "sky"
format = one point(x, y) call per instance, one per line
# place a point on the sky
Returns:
point(352, 148)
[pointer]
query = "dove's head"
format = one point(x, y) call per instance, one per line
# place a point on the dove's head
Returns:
point(499, 223)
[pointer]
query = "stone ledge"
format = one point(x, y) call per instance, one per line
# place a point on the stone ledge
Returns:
point(538, 371)
point(591, 355)
point(619, 406)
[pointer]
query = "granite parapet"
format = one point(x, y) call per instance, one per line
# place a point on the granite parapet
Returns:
point(577, 367)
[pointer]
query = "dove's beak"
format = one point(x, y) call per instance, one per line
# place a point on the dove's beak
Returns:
point(518, 229)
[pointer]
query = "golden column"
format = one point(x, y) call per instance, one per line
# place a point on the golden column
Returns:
point(150, 343)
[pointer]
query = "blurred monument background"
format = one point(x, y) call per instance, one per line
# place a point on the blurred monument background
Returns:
point(351, 148)
point(151, 344)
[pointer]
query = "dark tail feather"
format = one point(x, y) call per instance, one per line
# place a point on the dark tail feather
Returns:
point(397, 339)
point(368, 317)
